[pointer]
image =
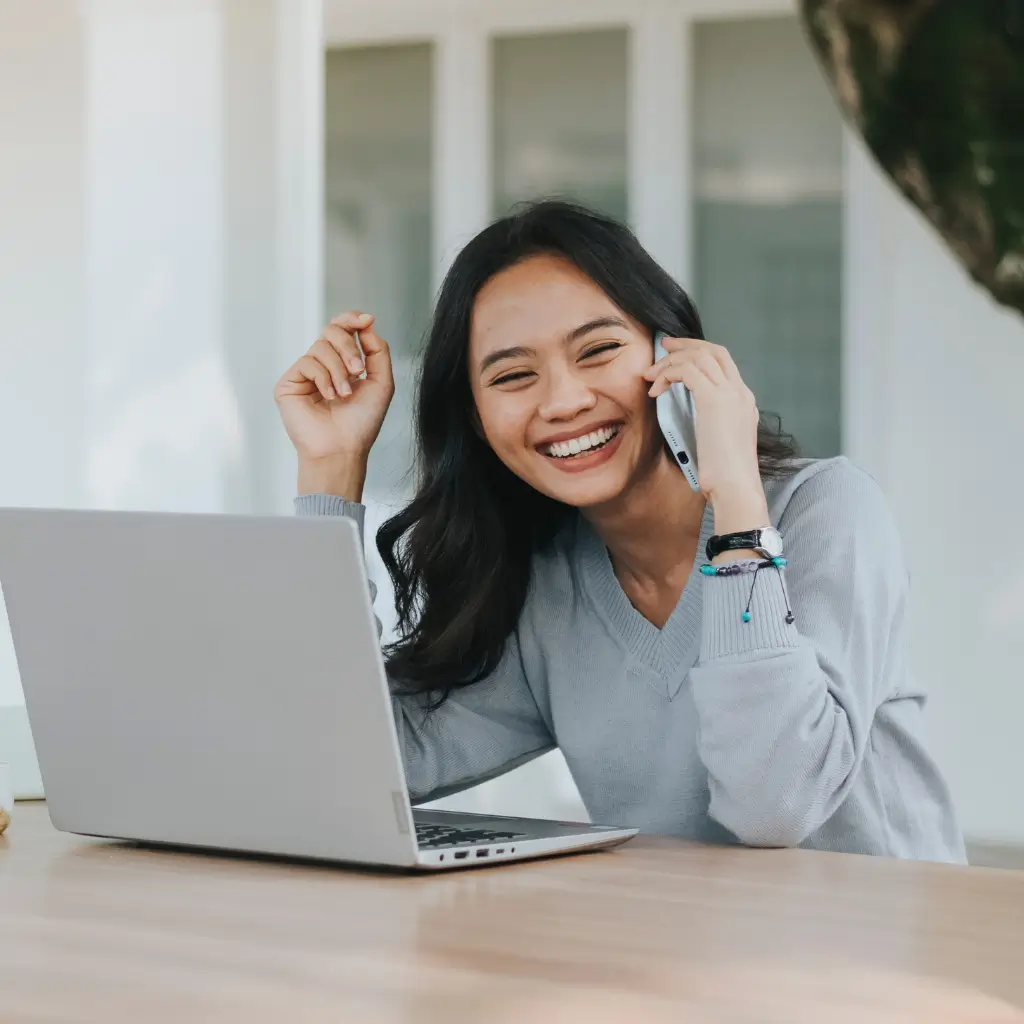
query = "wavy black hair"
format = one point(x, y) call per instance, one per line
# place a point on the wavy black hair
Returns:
point(460, 553)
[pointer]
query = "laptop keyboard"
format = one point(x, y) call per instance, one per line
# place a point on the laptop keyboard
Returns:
point(430, 837)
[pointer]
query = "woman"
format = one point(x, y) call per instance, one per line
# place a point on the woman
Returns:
point(551, 573)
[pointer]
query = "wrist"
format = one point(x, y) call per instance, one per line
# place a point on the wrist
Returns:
point(739, 510)
point(739, 555)
point(340, 475)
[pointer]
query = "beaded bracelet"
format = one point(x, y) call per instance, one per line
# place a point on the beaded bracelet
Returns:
point(752, 566)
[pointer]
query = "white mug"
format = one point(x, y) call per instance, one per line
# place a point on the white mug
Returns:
point(6, 796)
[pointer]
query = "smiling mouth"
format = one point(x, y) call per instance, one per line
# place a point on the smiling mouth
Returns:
point(580, 446)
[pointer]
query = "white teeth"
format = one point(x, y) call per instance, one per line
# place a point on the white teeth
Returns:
point(564, 449)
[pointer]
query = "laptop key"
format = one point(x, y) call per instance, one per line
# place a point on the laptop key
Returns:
point(433, 836)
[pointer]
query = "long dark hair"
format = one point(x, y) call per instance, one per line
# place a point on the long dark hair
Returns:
point(460, 553)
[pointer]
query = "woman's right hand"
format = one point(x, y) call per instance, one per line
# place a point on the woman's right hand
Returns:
point(330, 410)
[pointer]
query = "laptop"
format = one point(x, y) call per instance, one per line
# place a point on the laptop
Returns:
point(216, 681)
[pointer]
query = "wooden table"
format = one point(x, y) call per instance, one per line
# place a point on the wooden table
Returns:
point(656, 931)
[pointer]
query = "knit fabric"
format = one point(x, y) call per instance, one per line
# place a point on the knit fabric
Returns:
point(761, 732)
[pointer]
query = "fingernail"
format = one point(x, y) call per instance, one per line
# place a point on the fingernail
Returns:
point(330, 393)
point(356, 365)
point(345, 388)
point(363, 317)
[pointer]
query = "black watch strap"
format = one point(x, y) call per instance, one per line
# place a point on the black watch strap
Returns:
point(732, 542)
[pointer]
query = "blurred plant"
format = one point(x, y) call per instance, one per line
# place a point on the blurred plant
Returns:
point(936, 89)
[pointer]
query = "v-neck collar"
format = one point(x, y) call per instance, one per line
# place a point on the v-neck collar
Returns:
point(664, 650)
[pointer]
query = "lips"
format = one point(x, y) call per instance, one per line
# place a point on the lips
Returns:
point(587, 460)
point(580, 443)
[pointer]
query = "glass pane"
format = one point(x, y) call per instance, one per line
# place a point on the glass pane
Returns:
point(377, 205)
point(560, 119)
point(768, 152)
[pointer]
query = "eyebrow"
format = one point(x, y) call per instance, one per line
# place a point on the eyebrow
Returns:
point(518, 351)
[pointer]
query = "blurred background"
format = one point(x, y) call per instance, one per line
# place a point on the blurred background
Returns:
point(190, 188)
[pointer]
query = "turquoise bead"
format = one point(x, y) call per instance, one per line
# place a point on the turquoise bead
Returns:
point(779, 562)
point(746, 616)
point(708, 570)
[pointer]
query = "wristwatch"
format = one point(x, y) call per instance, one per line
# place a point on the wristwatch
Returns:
point(766, 541)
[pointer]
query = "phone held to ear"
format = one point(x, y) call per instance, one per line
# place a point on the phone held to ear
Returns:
point(677, 418)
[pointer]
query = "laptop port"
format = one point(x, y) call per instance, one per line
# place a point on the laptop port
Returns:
point(462, 854)
point(501, 849)
point(483, 853)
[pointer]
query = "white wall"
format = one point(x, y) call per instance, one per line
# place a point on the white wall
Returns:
point(159, 256)
point(41, 246)
point(162, 420)
point(42, 293)
point(935, 411)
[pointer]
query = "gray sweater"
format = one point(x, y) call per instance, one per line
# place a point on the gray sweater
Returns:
point(713, 728)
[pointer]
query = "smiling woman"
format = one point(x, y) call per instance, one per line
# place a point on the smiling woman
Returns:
point(548, 572)
point(573, 449)
point(542, 332)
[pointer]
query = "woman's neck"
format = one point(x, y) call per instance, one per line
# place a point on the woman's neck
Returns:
point(652, 533)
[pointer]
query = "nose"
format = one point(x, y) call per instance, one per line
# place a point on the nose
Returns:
point(566, 395)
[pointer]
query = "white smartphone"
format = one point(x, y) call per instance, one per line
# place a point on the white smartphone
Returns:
point(677, 418)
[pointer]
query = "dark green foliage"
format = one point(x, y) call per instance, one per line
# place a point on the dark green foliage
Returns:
point(936, 89)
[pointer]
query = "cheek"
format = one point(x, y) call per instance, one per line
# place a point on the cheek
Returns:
point(629, 392)
point(629, 389)
point(503, 422)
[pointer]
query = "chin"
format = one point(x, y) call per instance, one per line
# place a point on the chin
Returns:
point(592, 495)
point(584, 483)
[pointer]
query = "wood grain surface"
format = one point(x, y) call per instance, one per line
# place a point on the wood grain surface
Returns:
point(655, 931)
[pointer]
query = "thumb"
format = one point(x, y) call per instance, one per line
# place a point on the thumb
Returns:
point(376, 356)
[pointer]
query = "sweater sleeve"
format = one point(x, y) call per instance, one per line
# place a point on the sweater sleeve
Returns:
point(481, 731)
point(785, 710)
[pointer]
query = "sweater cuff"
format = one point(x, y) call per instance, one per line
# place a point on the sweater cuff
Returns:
point(330, 505)
point(724, 631)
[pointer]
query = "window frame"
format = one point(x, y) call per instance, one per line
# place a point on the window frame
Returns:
point(660, 186)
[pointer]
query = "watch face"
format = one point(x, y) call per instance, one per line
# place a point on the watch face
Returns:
point(771, 542)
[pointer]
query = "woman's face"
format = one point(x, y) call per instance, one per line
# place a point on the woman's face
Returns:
point(556, 371)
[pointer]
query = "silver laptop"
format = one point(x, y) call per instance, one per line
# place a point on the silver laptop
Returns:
point(216, 681)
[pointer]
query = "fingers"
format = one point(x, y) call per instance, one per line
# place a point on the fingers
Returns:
point(709, 366)
point(689, 374)
point(342, 332)
point(701, 367)
point(325, 353)
point(348, 347)
point(678, 349)
point(375, 358)
point(345, 347)
point(353, 320)
point(293, 384)
point(697, 357)
point(310, 369)
point(377, 354)
point(725, 360)
point(713, 362)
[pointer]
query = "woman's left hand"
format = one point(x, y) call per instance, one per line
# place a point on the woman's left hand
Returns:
point(727, 419)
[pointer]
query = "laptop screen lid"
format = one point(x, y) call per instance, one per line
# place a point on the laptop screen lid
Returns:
point(208, 680)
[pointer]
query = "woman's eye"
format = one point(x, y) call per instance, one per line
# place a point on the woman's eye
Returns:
point(510, 378)
point(597, 349)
